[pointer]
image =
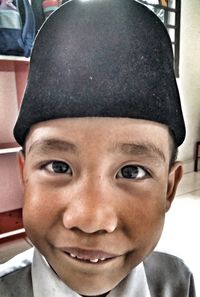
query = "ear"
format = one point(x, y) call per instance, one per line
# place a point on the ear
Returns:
point(174, 178)
point(21, 163)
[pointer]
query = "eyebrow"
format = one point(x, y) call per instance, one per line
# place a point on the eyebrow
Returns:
point(134, 149)
point(141, 149)
point(52, 144)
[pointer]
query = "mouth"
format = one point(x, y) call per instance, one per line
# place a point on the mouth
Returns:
point(89, 256)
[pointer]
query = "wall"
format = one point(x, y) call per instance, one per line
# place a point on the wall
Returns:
point(189, 81)
point(13, 77)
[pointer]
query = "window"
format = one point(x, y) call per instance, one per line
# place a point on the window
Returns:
point(169, 13)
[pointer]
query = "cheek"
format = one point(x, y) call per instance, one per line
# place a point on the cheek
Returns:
point(145, 224)
point(39, 210)
point(144, 215)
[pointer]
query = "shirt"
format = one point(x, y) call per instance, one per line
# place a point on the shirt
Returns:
point(47, 283)
point(167, 276)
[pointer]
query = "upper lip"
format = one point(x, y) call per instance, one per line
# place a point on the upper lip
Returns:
point(88, 254)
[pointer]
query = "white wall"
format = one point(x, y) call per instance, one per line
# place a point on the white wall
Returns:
point(189, 81)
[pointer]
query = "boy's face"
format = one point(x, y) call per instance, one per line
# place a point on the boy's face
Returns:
point(95, 195)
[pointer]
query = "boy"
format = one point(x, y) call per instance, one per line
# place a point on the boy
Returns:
point(100, 124)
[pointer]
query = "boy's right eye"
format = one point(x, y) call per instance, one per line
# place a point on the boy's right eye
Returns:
point(58, 167)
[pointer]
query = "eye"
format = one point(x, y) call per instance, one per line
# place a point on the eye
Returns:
point(132, 172)
point(58, 167)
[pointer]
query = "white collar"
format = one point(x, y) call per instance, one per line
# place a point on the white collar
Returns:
point(46, 282)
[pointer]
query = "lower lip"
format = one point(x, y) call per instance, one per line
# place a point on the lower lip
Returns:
point(100, 262)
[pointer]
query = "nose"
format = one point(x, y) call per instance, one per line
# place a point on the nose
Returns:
point(90, 210)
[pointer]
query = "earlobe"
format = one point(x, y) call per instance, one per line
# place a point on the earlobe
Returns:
point(174, 178)
point(21, 161)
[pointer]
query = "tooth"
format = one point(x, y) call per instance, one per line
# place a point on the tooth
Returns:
point(72, 255)
point(79, 258)
point(102, 259)
point(94, 260)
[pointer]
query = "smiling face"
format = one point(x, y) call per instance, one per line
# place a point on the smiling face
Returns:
point(95, 195)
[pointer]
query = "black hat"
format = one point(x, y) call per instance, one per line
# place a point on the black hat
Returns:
point(105, 58)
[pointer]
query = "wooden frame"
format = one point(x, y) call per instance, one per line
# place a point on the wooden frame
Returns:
point(11, 225)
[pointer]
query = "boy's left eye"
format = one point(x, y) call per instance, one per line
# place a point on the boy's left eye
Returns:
point(132, 172)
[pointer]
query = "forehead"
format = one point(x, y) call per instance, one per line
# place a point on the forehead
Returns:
point(109, 134)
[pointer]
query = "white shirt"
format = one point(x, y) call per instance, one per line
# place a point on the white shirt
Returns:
point(46, 282)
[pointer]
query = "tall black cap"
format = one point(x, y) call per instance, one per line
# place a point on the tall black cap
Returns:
point(105, 58)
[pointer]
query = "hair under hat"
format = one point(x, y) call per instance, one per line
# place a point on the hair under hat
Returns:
point(102, 58)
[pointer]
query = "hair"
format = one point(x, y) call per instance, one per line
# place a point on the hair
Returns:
point(173, 148)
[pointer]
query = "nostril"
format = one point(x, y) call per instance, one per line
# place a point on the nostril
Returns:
point(90, 218)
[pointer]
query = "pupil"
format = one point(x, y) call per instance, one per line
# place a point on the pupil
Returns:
point(130, 171)
point(60, 167)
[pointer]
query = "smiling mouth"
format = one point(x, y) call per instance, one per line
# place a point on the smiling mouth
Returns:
point(94, 261)
point(92, 257)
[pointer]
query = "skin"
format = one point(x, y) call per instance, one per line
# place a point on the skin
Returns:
point(95, 205)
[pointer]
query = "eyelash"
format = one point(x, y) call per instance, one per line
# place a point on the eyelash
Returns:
point(58, 163)
point(142, 175)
